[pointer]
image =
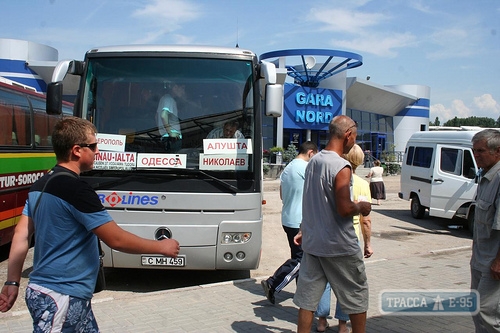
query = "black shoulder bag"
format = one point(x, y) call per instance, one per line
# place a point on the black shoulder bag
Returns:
point(101, 279)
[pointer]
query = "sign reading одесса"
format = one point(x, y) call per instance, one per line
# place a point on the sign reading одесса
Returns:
point(161, 161)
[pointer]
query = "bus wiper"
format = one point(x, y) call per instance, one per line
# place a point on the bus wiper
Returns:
point(106, 184)
point(98, 186)
point(218, 181)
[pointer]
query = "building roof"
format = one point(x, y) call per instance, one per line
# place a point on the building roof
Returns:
point(361, 94)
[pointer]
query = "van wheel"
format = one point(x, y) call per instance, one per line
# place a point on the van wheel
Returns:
point(417, 210)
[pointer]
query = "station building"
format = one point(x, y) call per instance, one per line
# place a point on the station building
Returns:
point(30, 65)
point(316, 89)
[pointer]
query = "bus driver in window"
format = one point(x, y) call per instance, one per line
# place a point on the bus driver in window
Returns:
point(168, 120)
point(228, 131)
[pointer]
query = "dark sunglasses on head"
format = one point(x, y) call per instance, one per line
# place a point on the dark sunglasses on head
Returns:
point(91, 146)
point(355, 125)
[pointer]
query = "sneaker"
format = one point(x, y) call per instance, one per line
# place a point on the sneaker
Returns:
point(268, 291)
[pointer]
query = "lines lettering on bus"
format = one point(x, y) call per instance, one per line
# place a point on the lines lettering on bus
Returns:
point(128, 199)
point(19, 179)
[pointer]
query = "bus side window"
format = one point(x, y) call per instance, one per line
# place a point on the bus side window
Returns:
point(21, 126)
point(6, 119)
point(41, 128)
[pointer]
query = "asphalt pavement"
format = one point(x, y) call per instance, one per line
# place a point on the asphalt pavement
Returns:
point(409, 255)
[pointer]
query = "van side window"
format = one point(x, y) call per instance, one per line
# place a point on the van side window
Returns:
point(423, 157)
point(409, 155)
point(451, 161)
point(469, 170)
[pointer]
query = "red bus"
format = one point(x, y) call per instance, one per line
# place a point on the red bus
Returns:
point(25, 149)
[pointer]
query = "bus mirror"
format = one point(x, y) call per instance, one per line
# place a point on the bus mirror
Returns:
point(268, 72)
point(76, 67)
point(54, 98)
point(274, 100)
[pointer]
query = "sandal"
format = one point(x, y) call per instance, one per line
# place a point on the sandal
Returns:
point(324, 330)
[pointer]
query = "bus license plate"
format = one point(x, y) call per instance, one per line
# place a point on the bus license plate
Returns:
point(163, 261)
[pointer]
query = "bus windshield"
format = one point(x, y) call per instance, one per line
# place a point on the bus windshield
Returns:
point(172, 113)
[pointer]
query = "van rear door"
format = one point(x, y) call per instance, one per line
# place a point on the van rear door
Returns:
point(452, 183)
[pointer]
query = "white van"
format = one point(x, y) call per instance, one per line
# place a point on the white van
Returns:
point(438, 174)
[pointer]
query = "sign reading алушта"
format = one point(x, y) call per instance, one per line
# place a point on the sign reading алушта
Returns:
point(227, 146)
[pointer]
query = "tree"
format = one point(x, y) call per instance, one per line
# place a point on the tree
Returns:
point(435, 123)
point(472, 121)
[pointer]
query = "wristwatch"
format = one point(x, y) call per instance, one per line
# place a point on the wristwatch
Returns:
point(11, 283)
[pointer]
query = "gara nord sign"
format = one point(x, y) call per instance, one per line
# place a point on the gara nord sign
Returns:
point(310, 108)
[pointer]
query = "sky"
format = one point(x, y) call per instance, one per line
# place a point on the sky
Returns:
point(452, 46)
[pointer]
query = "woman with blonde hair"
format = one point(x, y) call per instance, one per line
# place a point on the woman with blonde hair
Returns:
point(360, 192)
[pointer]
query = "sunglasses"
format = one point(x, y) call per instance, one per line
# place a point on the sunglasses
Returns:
point(355, 125)
point(91, 146)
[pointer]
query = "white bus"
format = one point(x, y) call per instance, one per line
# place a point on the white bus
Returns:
point(204, 192)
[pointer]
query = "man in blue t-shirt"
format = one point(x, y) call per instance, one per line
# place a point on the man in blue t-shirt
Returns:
point(167, 118)
point(291, 187)
point(67, 217)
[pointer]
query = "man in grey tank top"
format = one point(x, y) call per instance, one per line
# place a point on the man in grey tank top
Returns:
point(331, 250)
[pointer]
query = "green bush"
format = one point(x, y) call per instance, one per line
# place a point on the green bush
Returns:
point(290, 153)
point(392, 168)
point(276, 149)
point(266, 169)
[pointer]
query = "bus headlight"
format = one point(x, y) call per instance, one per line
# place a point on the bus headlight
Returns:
point(236, 237)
